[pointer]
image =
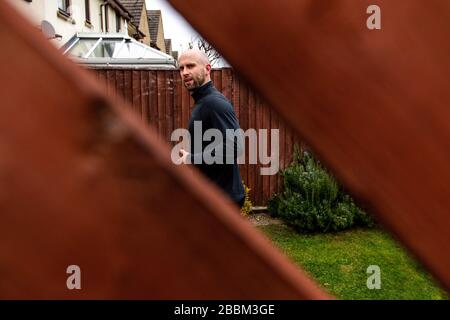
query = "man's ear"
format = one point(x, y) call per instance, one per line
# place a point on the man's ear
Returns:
point(208, 68)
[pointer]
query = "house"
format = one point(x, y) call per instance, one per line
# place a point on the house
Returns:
point(138, 28)
point(157, 34)
point(71, 16)
point(156, 29)
point(168, 44)
point(169, 51)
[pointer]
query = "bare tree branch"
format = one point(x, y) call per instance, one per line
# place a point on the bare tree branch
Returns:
point(203, 45)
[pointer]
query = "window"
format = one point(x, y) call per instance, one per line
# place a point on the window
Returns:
point(87, 10)
point(106, 49)
point(64, 7)
point(82, 47)
point(117, 22)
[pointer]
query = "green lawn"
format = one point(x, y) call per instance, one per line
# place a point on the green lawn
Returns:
point(339, 262)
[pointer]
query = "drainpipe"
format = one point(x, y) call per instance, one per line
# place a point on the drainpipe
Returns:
point(101, 13)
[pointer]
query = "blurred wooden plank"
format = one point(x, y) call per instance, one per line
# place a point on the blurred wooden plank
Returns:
point(372, 104)
point(84, 182)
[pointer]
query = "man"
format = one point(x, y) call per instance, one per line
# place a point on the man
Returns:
point(213, 111)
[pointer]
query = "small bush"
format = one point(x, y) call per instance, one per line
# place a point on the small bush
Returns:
point(313, 201)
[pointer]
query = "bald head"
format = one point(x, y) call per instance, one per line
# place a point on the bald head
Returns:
point(196, 55)
point(195, 68)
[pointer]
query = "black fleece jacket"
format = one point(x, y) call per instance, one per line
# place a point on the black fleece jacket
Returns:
point(216, 112)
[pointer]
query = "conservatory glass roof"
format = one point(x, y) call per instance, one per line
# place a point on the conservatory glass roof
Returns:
point(102, 49)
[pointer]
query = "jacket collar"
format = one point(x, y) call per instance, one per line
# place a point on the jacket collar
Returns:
point(202, 91)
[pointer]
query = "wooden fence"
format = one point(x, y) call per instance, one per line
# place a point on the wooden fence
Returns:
point(74, 189)
point(162, 101)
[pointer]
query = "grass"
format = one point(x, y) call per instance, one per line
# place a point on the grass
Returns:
point(339, 263)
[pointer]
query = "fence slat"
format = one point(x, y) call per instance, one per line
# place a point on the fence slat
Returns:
point(169, 116)
point(120, 86)
point(128, 85)
point(161, 93)
point(243, 120)
point(178, 107)
point(265, 113)
point(144, 96)
point(153, 100)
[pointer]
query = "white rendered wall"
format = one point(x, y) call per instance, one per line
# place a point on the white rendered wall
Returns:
point(39, 10)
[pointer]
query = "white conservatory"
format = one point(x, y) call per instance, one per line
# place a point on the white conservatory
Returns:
point(99, 50)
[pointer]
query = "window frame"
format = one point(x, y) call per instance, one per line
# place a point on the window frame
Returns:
point(65, 9)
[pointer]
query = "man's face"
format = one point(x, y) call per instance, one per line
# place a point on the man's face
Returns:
point(193, 72)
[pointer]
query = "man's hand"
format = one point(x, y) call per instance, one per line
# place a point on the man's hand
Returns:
point(184, 155)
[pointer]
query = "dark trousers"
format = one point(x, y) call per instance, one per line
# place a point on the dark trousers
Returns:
point(241, 202)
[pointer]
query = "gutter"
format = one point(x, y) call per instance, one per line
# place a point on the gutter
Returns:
point(119, 7)
point(101, 14)
point(125, 61)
